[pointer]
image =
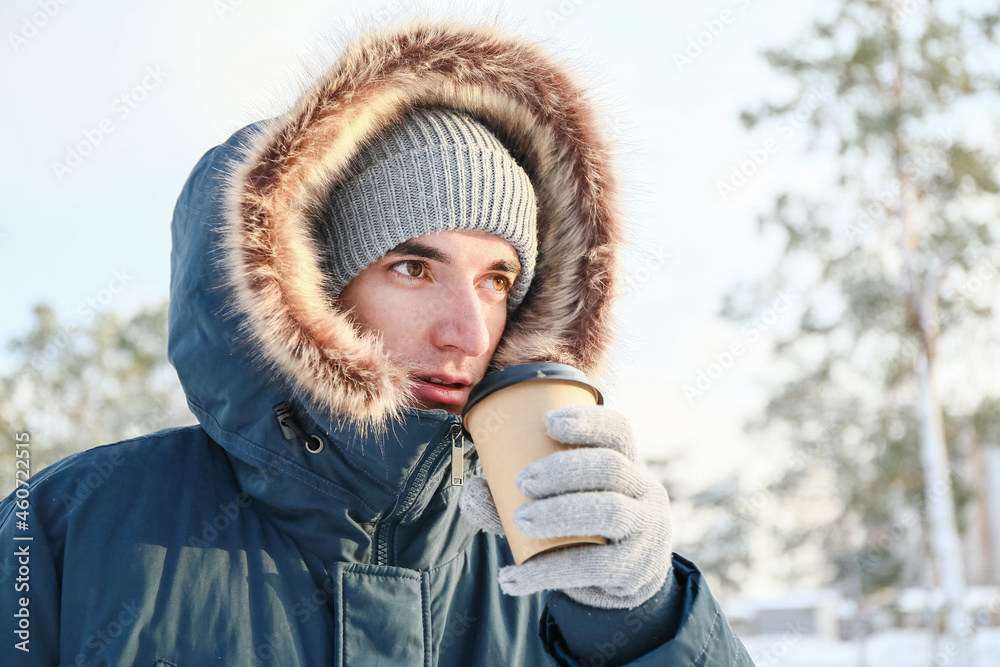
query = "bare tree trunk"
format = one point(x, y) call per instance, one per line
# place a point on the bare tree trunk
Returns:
point(991, 453)
point(940, 509)
point(859, 631)
point(941, 515)
point(922, 301)
point(931, 618)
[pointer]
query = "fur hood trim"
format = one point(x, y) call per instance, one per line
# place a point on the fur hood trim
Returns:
point(533, 105)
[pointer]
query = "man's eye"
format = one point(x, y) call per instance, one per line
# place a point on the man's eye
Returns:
point(500, 284)
point(409, 267)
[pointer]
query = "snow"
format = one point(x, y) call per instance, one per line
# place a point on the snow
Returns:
point(893, 648)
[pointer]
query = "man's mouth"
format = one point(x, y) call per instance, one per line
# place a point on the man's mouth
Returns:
point(448, 391)
point(440, 382)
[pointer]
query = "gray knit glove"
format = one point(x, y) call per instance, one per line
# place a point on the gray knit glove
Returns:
point(599, 489)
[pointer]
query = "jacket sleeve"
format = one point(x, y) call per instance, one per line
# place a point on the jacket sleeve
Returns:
point(681, 626)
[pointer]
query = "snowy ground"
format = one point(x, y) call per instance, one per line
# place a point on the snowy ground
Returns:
point(896, 648)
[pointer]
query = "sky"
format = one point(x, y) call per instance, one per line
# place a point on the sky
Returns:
point(106, 110)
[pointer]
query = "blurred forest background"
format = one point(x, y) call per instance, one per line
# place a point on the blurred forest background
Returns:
point(884, 392)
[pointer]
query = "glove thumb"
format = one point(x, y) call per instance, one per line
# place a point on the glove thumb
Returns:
point(478, 507)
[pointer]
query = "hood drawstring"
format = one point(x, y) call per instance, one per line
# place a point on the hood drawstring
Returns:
point(290, 428)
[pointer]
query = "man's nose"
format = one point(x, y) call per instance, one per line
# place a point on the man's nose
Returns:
point(461, 322)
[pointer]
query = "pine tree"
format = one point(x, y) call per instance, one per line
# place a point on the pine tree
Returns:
point(77, 385)
point(897, 267)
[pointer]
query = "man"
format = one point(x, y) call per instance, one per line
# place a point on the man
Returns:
point(439, 203)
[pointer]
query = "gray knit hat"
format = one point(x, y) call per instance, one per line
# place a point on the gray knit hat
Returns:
point(435, 170)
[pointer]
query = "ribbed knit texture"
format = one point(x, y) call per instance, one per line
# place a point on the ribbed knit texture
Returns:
point(436, 170)
point(597, 488)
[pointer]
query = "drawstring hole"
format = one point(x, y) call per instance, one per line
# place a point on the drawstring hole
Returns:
point(315, 444)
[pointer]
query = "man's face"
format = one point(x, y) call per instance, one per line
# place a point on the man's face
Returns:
point(439, 302)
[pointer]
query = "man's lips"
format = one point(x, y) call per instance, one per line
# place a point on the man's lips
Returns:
point(452, 390)
point(445, 379)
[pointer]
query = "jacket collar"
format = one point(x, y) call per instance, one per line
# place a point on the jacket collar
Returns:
point(334, 502)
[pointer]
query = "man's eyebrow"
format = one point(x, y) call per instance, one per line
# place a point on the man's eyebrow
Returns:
point(507, 266)
point(417, 249)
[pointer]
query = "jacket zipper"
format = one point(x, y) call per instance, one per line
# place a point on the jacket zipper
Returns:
point(381, 536)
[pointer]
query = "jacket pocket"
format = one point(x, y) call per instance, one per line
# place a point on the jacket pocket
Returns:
point(381, 615)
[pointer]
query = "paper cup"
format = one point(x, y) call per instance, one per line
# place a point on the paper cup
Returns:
point(504, 419)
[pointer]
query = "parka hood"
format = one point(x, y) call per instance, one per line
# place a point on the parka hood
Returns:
point(251, 323)
point(522, 94)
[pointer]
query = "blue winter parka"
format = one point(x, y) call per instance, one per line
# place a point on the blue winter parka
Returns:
point(335, 537)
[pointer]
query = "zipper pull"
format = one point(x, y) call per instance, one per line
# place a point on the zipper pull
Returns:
point(457, 457)
point(290, 428)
